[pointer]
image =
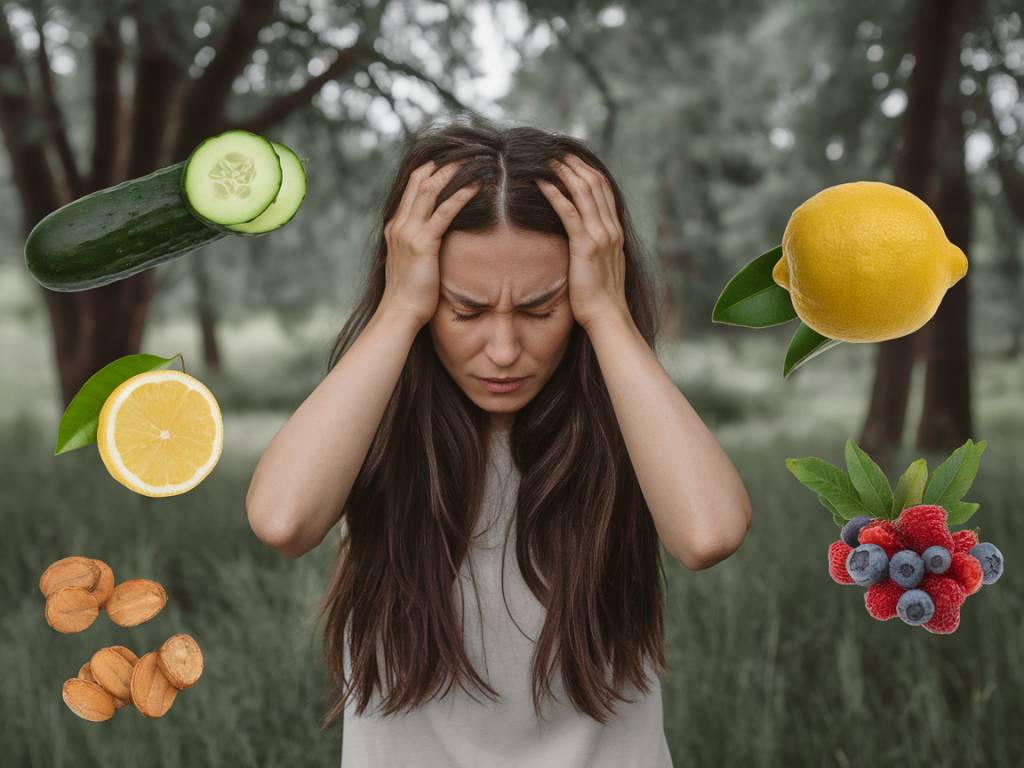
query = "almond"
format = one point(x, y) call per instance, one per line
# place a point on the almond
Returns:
point(71, 609)
point(181, 661)
point(85, 673)
point(135, 601)
point(71, 571)
point(152, 693)
point(88, 700)
point(112, 671)
point(104, 587)
point(126, 652)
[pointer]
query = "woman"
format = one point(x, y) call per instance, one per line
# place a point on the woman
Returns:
point(500, 539)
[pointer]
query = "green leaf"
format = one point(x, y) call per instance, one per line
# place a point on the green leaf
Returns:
point(805, 344)
point(752, 298)
point(836, 517)
point(960, 512)
point(78, 424)
point(909, 488)
point(830, 482)
point(951, 479)
point(870, 481)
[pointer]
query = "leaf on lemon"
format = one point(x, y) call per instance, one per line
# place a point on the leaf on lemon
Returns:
point(870, 481)
point(951, 479)
point(829, 482)
point(77, 426)
point(752, 298)
point(805, 344)
point(909, 488)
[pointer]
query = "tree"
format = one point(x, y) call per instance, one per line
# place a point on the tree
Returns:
point(175, 104)
point(935, 33)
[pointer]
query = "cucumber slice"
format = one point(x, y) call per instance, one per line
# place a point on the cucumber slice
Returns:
point(288, 200)
point(231, 178)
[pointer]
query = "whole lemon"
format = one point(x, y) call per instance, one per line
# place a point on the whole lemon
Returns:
point(866, 261)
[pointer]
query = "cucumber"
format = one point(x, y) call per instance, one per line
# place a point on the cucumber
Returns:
point(116, 232)
point(288, 200)
point(231, 178)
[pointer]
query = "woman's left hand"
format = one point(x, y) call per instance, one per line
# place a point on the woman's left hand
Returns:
point(597, 262)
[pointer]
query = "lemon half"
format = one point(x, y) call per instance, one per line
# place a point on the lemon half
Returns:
point(866, 261)
point(160, 433)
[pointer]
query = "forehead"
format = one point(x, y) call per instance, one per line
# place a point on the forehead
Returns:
point(486, 266)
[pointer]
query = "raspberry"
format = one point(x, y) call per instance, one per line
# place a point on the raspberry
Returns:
point(964, 540)
point(837, 553)
point(883, 533)
point(881, 599)
point(924, 526)
point(967, 572)
point(948, 596)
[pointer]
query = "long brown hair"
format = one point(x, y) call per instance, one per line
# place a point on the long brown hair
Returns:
point(586, 543)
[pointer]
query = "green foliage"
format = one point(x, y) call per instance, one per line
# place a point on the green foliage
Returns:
point(870, 481)
point(951, 479)
point(910, 487)
point(831, 484)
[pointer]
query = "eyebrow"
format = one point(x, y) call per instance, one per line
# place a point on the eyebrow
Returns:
point(530, 303)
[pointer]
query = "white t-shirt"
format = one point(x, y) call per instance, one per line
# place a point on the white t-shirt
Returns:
point(457, 731)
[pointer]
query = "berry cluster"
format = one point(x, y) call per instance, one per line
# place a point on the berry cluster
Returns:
point(914, 567)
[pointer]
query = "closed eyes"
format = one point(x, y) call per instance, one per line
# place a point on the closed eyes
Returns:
point(466, 318)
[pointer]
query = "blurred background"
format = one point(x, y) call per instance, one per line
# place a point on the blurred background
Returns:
point(718, 119)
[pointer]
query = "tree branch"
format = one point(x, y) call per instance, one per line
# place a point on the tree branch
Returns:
point(376, 86)
point(280, 108)
point(597, 78)
point(107, 108)
point(204, 102)
point(23, 134)
point(156, 75)
point(446, 95)
point(55, 117)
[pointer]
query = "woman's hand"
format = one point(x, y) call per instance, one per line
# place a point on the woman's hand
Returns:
point(413, 236)
point(597, 262)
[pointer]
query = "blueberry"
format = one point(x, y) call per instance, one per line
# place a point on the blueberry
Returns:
point(867, 564)
point(915, 607)
point(851, 531)
point(906, 568)
point(937, 559)
point(991, 560)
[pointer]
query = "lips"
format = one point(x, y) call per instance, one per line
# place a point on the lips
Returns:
point(502, 381)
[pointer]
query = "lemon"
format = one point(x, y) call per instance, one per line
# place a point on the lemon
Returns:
point(866, 261)
point(160, 433)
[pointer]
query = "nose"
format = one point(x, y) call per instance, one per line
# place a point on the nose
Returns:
point(503, 340)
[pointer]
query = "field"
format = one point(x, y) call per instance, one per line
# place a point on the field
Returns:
point(771, 663)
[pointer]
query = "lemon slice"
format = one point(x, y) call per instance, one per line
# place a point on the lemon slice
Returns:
point(160, 433)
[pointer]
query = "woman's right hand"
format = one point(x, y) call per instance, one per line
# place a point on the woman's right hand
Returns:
point(412, 266)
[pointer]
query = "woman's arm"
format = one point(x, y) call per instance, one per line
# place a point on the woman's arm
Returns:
point(697, 498)
point(305, 474)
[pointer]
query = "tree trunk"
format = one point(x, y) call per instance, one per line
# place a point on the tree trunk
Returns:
point(673, 258)
point(205, 315)
point(946, 411)
point(934, 43)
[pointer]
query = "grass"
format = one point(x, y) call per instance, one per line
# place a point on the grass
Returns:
point(770, 662)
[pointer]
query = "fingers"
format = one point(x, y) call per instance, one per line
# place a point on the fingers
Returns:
point(592, 194)
point(446, 211)
point(421, 193)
